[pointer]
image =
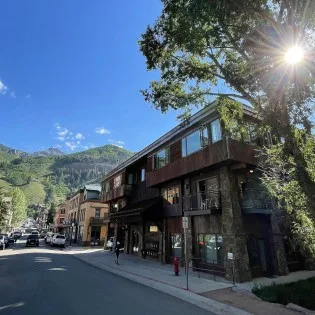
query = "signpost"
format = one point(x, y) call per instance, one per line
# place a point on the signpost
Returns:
point(185, 227)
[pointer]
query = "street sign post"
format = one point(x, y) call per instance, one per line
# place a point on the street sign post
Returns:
point(185, 227)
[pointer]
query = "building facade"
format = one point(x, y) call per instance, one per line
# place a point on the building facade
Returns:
point(59, 218)
point(196, 171)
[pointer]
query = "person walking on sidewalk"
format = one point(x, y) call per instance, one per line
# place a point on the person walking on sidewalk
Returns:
point(117, 252)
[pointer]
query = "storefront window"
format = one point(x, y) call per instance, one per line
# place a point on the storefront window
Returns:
point(176, 245)
point(210, 248)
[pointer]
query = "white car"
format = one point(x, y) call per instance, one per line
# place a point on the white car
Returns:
point(58, 240)
point(110, 243)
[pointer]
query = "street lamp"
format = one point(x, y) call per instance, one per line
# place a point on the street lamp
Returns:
point(72, 225)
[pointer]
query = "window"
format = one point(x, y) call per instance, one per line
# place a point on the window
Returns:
point(176, 245)
point(97, 213)
point(171, 195)
point(143, 175)
point(63, 211)
point(162, 158)
point(61, 220)
point(210, 248)
point(195, 141)
point(107, 187)
point(117, 181)
point(216, 134)
point(130, 179)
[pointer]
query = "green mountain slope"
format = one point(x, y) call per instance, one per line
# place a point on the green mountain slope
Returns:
point(50, 178)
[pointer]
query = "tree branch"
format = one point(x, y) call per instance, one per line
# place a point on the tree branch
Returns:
point(245, 95)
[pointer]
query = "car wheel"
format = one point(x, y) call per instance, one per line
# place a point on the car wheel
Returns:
point(37, 245)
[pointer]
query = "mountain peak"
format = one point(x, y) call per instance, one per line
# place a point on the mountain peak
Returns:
point(53, 151)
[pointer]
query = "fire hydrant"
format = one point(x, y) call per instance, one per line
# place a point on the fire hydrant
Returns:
point(176, 266)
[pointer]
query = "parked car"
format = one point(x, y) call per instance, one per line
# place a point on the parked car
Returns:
point(58, 240)
point(17, 234)
point(11, 238)
point(32, 240)
point(4, 241)
point(110, 243)
point(35, 233)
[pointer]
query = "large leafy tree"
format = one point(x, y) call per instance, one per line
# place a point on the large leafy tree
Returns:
point(225, 48)
point(19, 207)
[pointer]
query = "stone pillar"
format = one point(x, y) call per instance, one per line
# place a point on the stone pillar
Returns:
point(234, 237)
point(279, 261)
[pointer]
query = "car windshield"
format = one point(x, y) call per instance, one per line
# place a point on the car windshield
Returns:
point(60, 236)
point(32, 237)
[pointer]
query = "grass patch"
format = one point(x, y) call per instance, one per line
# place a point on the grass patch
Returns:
point(301, 293)
point(34, 192)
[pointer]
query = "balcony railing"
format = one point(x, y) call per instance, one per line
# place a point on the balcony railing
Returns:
point(209, 200)
point(256, 201)
point(98, 221)
point(123, 190)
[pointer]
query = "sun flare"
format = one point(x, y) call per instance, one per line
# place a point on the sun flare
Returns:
point(294, 55)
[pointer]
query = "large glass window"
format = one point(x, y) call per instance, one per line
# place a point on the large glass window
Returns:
point(162, 158)
point(143, 175)
point(195, 141)
point(171, 195)
point(210, 248)
point(176, 245)
point(216, 133)
point(117, 181)
point(107, 187)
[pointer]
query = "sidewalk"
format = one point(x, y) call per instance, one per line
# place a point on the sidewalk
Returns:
point(159, 277)
point(217, 297)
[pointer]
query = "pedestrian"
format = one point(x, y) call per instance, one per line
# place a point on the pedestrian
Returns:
point(117, 251)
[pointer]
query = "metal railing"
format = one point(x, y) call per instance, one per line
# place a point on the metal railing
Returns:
point(97, 220)
point(209, 200)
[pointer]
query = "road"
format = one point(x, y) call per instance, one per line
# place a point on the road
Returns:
point(50, 281)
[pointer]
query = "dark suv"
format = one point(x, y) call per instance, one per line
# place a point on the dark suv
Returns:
point(32, 240)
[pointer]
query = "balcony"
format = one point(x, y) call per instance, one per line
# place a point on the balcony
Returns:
point(256, 201)
point(208, 202)
point(99, 221)
point(121, 191)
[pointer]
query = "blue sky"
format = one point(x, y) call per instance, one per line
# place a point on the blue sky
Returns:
point(70, 75)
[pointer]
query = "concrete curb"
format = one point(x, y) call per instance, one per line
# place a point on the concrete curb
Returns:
point(180, 293)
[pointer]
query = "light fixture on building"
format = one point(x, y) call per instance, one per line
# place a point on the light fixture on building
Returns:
point(251, 171)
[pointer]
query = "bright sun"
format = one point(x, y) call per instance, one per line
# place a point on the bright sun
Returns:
point(294, 55)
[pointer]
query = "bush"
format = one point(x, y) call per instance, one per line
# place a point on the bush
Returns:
point(301, 293)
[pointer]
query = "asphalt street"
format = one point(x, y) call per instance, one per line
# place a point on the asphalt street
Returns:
point(49, 281)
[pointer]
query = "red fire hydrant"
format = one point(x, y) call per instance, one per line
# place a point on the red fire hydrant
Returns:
point(176, 266)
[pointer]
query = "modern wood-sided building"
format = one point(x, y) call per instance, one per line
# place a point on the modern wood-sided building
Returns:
point(196, 171)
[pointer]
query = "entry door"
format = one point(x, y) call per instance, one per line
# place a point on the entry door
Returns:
point(257, 256)
point(135, 242)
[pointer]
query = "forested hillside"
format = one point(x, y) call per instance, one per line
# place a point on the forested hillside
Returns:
point(50, 178)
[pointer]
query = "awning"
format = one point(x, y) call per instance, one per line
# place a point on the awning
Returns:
point(150, 209)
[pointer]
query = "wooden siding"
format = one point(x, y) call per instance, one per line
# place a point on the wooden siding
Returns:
point(213, 154)
point(174, 225)
point(142, 192)
point(117, 192)
point(207, 224)
point(150, 164)
point(173, 210)
point(176, 151)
